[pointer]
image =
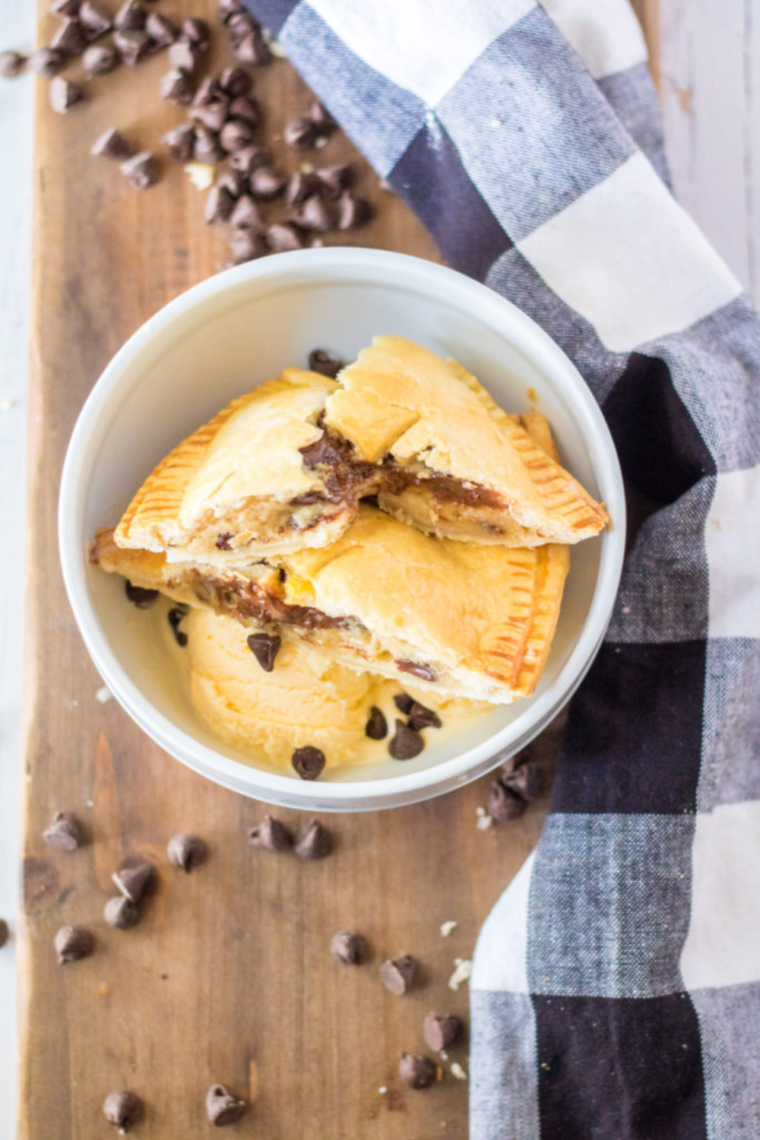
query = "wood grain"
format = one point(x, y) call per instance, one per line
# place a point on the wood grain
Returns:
point(227, 977)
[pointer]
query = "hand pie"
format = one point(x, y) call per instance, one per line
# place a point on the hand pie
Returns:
point(284, 467)
point(462, 618)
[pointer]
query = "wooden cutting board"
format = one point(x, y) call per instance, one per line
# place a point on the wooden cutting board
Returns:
point(227, 978)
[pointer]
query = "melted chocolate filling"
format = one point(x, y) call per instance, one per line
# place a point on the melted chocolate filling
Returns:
point(417, 669)
point(249, 600)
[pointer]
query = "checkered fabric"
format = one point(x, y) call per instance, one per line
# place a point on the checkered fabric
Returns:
point(616, 988)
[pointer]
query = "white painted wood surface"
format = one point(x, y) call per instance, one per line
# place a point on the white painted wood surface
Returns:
point(710, 67)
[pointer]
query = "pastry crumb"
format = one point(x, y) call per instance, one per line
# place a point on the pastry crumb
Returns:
point(462, 972)
point(201, 174)
point(484, 819)
point(447, 927)
point(103, 694)
point(458, 1072)
point(382, 1090)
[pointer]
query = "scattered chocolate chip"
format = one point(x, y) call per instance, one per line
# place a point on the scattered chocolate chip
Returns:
point(176, 87)
point(252, 49)
point(186, 852)
point(174, 617)
point(4, 932)
point(112, 144)
point(122, 1109)
point(266, 182)
point(236, 134)
point(416, 1071)
point(235, 82)
point(245, 214)
point(161, 29)
point(241, 23)
point(281, 238)
point(64, 833)
point(301, 133)
point(184, 55)
point(138, 595)
point(251, 159)
point(100, 59)
point(406, 742)
point(219, 204)
point(417, 669)
point(12, 63)
point(349, 948)
point(377, 725)
point(69, 39)
point(334, 179)
point(233, 181)
point(196, 31)
point(121, 913)
point(134, 878)
point(397, 974)
point(271, 835)
point(503, 804)
point(321, 118)
point(46, 62)
point(64, 9)
point(130, 17)
point(403, 703)
point(265, 647)
point(353, 212)
point(94, 21)
point(524, 782)
point(180, 142)
point(246, 108)
point(313, 215)
point(212, 114)
point(209, 91)
point(226, 9)
point(313, 842)
point(442, 1032)
point(133, 46)
point(142, 170)
point(207, 148)
point(247, 246)
point(308, 762)
point(72, 943)
point(223, 1108)
point(64, 94)
point(322, 361)
point(299, 188)
point(422, 717)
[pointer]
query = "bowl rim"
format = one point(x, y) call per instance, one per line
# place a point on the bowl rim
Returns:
point(445, 284)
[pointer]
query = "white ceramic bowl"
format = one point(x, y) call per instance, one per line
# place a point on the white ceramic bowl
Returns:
point(243, 326)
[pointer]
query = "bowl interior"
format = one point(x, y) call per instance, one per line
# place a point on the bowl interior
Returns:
point(229, 335)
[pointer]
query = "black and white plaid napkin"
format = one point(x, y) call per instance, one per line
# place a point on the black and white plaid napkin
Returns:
point(616, 988)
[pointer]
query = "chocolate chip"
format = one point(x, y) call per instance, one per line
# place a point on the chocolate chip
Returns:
point(142, 171)
point(46, 62)
point(137, 595)
point(417, 1071)
point(100, 59)
point(130, 17)
point(226, 9)
point(252, 49)
point(299, 188)
point(406, 742)
point(235, 82)
point(181, 142)
point(69, 39)
point(209, 91)
point(4, 932)
point(308, 762)
point(186, 852)
point(265, 647)
point(377, 725)
point(403, 703)
point(207, 147)
point(72, 943)
point(313, 842)
point(184, 55)
point(134, 878)
point(442, 1032)
point(12, 63)
point(422, 717)
point(241, 23)
point(94, 21)
point(353, 212)
point(122, 1109)
point(321, 118)
point(417, 668)
point(64, 9)
point(271, 835)
point(176, 87)
point(196, 31)
point(247, 246)
point(324, 362)
point(212, 114)
point(161, 29)
point(233, 181)
point(313, 215)
point(281, 238)
point(112, 144)
point(219, 204)
point(247, 110)
point(223, 1108)
point(174, 617)
point(250, 159)
point(524, 781)
point(133, 46)
point(64, 833)
point(245, 213)
point(300, 133)
point(334, 179)
point(266, 182)
point(503, 804)
point(121, 913)
point(349, 948)
point(397, 974)
point(64, 94)
point(236, 134)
